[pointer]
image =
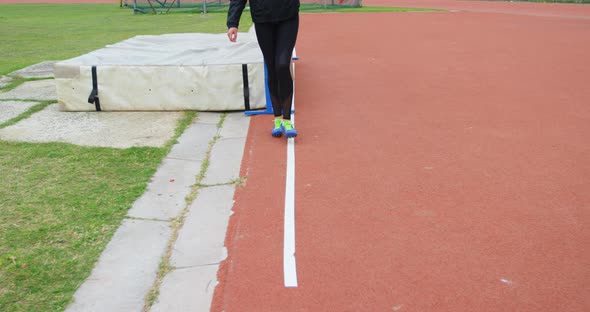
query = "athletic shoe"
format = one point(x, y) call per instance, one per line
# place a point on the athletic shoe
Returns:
point(289, 129)
point(277, 132)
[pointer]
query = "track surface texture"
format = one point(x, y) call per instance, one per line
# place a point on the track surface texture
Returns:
point(443, 164)
point(561, 10)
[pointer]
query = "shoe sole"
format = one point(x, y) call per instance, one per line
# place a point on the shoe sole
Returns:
point(289, 135)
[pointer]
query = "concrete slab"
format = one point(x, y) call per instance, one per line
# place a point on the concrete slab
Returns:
point(126, 269)
point(201, 239)
point(33, 90)
point(175, 176)
point(107, 129)
point(43, 69)
point(194, 142)
point(128, 266)
point(235, 126)
point(4, 81)
point(226, 158)
point(11, 109)
point(166, 192)
point(189, 289)
point(209, 118)
point(156, 205)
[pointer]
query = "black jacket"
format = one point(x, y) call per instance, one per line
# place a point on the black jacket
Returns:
point(262, 11)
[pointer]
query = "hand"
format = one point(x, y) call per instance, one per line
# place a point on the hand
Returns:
point(232, 34)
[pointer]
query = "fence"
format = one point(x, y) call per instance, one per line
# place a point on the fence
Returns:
point(206, 6)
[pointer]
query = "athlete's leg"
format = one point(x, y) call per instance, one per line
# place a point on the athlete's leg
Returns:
point(266, 34)
point(286, 36)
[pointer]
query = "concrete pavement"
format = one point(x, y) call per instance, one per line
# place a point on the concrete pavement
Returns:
point(181, 219)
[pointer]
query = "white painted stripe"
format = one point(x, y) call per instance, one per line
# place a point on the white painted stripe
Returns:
point(289, 264)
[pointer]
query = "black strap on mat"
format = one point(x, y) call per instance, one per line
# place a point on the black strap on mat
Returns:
point(246, 87)
point(93, 98)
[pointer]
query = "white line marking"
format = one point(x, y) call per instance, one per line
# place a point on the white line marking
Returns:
point(289, 265)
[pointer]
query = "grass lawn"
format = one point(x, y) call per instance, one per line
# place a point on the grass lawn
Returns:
point(32, 33)
point(59, 206)
point(60, 203)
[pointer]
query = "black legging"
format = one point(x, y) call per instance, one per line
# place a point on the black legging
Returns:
point(277, 40)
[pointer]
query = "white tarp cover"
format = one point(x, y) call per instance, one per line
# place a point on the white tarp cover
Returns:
point(190, 71)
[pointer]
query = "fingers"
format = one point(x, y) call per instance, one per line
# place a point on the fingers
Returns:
point(232, 34)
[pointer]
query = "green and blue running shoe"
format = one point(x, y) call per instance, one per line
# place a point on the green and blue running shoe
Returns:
point(277, 131)
point(289, 129)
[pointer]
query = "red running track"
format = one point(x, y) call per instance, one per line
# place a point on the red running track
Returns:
point(443, 164)
point(561, 10)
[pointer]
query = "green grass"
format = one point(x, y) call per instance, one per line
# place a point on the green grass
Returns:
point(32, 33)
point(60, 206)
